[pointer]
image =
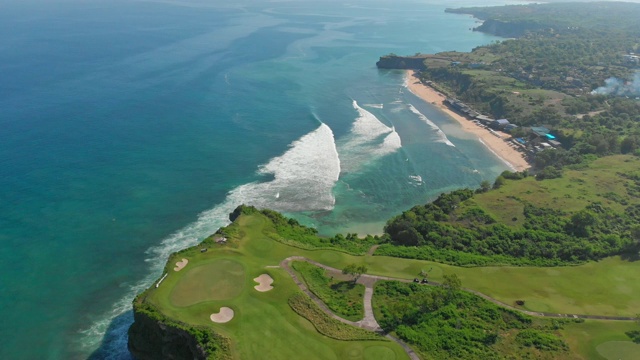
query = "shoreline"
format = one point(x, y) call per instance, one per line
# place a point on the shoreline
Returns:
point(498, 146)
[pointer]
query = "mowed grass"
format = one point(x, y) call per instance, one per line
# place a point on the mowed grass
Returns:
point(607, 287)
point(217, 280)
point(600, 340)
point(572, 192)
point(264, 325)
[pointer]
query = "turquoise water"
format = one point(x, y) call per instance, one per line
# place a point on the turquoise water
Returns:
point(130, 129)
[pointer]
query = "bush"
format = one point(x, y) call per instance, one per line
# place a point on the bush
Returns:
point(540, 340)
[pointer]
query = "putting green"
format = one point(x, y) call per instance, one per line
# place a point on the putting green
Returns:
point(359, 351)
point(619, 350)
point(219, 280)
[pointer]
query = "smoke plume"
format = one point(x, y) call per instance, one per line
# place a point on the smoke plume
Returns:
point(618, 87)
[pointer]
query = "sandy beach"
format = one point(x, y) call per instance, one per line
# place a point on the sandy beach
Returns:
point(497, 145)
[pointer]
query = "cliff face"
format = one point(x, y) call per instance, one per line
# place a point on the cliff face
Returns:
point(151, 339)
point(401, 62)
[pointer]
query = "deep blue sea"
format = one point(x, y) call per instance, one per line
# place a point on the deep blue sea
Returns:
point(130, 129)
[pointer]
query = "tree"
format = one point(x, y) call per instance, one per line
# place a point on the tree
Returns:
point(355, 271)
point(500, 180)
point(581, 223)
point(635, 235)
point(453, 284)
point(485, 186)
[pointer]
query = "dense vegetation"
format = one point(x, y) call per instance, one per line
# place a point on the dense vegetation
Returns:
point(344, 298)
point(446, 323)
point(548, 74)
point(290, 232)
point(457, 230)
point(589, 213)
point(305, 307)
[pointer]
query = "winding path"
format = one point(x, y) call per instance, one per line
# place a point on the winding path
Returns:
point(369, 321)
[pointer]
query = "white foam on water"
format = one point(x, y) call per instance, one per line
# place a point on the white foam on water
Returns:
point(498, 156)
point(416, 178)
point(375, 106)
point(369, 139)
point(441, 135)
point(303, 177)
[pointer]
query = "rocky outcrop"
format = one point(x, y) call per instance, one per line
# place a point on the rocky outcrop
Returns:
point(401, 62)
point(151, 339)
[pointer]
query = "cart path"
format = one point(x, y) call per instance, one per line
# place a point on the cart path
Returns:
point(368, 322)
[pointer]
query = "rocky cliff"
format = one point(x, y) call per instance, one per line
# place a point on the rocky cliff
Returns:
point(151, 339)
point(401, 62)
point(153, 336)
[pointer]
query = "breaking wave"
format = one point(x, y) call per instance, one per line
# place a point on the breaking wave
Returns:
point(441, 135)
point(369, 139)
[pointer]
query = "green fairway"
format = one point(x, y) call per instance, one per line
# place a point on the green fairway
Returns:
point(619, 350)
point(603, 340)
point(607, 287)
point(219, 280)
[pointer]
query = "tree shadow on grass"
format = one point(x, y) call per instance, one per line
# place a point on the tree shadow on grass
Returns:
point(630, 256)
point(343, 286)
point(114, 342)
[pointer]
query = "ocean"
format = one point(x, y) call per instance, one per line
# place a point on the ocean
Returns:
point(129, 129)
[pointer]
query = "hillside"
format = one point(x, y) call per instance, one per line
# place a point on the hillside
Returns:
point(591, 212)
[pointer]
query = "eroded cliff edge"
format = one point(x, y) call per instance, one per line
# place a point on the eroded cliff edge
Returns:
point(153, 336)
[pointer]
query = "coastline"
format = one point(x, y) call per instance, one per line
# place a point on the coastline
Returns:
point(496, 145)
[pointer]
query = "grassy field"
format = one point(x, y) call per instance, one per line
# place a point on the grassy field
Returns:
point(571, 192)
point(265, 325)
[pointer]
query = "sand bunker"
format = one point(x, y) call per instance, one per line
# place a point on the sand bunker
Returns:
point(225, 315)
point(264, 282)
point(181, 264)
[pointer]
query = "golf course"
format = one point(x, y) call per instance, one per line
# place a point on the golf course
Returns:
point(222, 278)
